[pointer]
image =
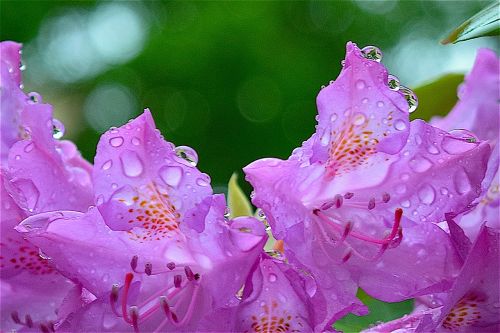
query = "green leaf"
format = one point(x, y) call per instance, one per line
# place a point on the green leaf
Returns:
point(238, 202)
point(484, 23)
point(379, 312)
point(437, 97)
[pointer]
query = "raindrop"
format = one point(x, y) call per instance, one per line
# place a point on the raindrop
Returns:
point(261, 214)
point(325, 138)
point(342, 63)
point(202, 182)
point(333, 117)
point(34, 98)
point(22, 66)
point(227, 213)
point(401, 188)
point(18, 157)
point(187, 154)
point(360, 84)
point(57, 129)
point(405, 204)
point(106, 165)
point(359, 119)
point(432, 149)
point(372, 53)
point(171, 175)
point(393, 82)
point(131, 163)
point(427, 194)
point(400, 125)
point(116, 141)
point(272, 277)
point(380, 104)
point(461, 180)
point(405, 176)
point(29, 147)
point(444, 191)
point(459, 141)
point(364, 101)
point(420, 164)
point(43, 255)
point(136, 141)
point(411, 98)
point(418, 139)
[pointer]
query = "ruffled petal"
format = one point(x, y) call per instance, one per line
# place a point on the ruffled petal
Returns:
point(140, 181)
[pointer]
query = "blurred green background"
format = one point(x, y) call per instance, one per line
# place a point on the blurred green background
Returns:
point(235, 80)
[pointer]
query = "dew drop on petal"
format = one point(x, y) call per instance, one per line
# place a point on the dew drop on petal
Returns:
point(131, 163)
point(171, 175)
point(405, 203)
point(333, 117)
point(432, 149)
point(29, 147)
point(135, 141)
point(400, 125)
point(420, 164)
point(360, 84)
point(411, 98)
point(459, 141)
point(461, 181)
point(359, 119)
point(427, 194)
point(393, 82)
point(380, 104)
point(116, 141)
point(272, 277)
point(57, 129)
point(372, 53)
point(444, 191)
point(187, 155)
point(34, 98)
point(106, 165)
point(202, 182)
point(42, 255)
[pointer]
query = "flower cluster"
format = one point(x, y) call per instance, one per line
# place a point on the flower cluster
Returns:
point(138, 241)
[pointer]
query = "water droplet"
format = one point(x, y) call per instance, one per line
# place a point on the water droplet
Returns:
point(43, 255)
point(18, 157)
point(364, 101)
point(372, 53)
point(444, 191)
point(427, 194)
point(260, 214)
point(405, 176)
point(106, 165)
point(393, 82)
point(418, 139)
point(400, 125)
point(359, 119)
point(325, 138)
point(272, 277)
point(116, 141)
point(187, 154)
point(29, 147)
point(113, 130)
point(22, 65)
point(360, 84)
point(57, 129)
point(131, 163)
point(380, 104)
point(114, 186)
point(459, 141)
point(461, 180)
point(227, 213)
point(333, 117)
point(342, 62)
point(420, 164)
point(136, 141)
point(405, 203)
point(202, 182)
point(432, 149)
point(171, 175)
point(411, 98)
point(401, 188)
point(34, 98)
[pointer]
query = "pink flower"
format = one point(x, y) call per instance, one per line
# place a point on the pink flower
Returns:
point(363, 193)
point(157, 250)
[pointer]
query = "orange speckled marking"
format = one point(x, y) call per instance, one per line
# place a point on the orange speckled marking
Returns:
point(154, 211)
point(465, 313)
point(23, 256)
point(352, 145)
point(273, 322)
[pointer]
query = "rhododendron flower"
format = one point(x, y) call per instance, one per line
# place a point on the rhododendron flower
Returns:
point(477, 116)
point(39, 173)
point(157, 250)
point(363, 192)
point(472, 304)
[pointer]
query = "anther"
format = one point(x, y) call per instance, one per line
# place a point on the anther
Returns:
point(134, 316)
point(148, 268)
point(44, 328)
point(347, 256)
point(177, 281)
point(197, 276)
point(113, 296)
point(166, 308)
point(133, 262)
point(171, 265)
point(15, 317)
point(338, 199)
point(371, 203)
point(327, 205)
point(189, 273)
point(347, 230)
point(28, 320)
point(348, 195)
point(51, 326)
point(386, 197)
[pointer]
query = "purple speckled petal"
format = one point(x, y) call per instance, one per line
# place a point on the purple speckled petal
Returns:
point(141, 182)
